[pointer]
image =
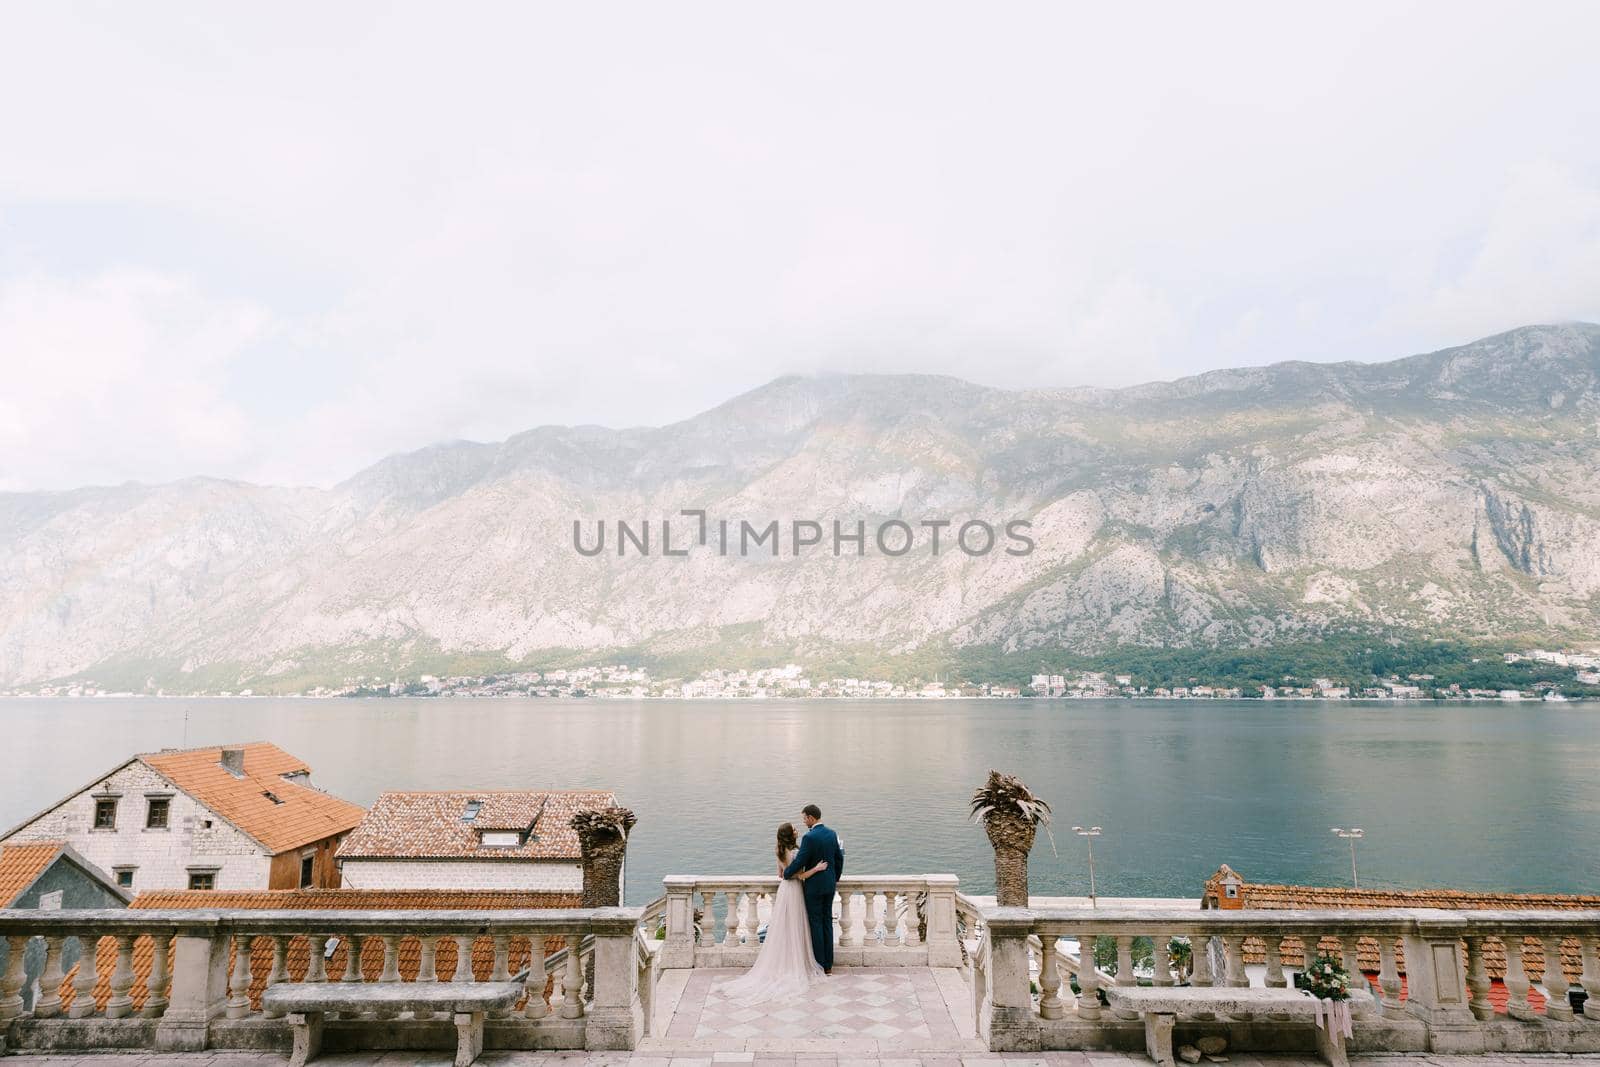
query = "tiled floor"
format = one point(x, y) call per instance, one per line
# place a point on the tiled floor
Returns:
point(860, 1011)
point(802, 1059)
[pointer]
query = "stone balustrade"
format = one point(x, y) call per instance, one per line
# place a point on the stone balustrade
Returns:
point(886, 920)
point(1441, 981)
point(1038, 978)
point(186, 980)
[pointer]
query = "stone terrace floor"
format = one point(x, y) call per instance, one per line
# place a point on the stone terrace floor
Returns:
point(859, 1017)
point(873, 1012)
point(710, 1059)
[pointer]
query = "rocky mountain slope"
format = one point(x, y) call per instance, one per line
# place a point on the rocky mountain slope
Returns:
point(1453, 493)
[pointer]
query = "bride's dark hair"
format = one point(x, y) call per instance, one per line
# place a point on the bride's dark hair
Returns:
point(786, 839)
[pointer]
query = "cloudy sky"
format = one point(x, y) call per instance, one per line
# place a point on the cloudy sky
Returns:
point(277, 242)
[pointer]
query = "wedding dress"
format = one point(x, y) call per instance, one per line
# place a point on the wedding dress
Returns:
point(785, 966)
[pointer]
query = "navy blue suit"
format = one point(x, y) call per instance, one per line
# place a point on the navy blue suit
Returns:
point(818, 845)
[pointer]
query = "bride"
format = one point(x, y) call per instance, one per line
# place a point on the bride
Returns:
point(784, 965)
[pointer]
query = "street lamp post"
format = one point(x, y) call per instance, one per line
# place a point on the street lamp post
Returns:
point(1089, 834)
point(1352, 835)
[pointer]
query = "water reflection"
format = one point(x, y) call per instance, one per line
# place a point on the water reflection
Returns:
point(1474, 796)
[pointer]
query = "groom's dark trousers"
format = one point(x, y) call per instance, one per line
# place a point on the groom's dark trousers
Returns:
point(819, 844)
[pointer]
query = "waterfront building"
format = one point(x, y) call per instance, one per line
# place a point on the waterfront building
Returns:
point(222, 817)
point(485, 839)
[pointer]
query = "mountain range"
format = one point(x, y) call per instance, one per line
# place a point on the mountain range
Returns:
point(1451, 494)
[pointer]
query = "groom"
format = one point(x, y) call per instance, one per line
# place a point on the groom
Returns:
point(820, 844)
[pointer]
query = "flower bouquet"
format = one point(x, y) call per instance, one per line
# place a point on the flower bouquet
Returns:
point(1329, 982)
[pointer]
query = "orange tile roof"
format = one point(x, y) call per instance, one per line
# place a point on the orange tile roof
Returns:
point(305, 814)
point(356, 899)
point(21, 866)
point(429, 825)
point(299, 948)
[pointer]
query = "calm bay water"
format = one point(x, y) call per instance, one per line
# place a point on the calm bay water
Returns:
point(1471, 796)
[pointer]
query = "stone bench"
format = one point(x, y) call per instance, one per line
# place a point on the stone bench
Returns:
point(305, 1003)
point(1160, 1006)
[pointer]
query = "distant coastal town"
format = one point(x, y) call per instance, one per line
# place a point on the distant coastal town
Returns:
point(1562, 676)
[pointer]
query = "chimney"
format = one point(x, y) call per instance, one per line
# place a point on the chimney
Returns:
point(233, 761)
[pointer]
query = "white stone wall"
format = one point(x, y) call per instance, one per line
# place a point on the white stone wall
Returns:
point(535, 875)
point(163, 857)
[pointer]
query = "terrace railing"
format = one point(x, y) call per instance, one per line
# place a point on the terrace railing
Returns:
point(884, 920)
point(183, 980)
point(1037, 981)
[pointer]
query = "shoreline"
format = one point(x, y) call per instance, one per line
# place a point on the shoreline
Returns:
point(590, 698)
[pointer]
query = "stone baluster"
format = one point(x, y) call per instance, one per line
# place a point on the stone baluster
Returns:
point(1200, 954)
point(1361, 1002)
point(1389, 978)
point(352, 959)
point(501, 971)
point(427, 968)
point(749, 917)
point(120, 1004)
point(708, 917)
point(1478, 981)
point(1233, 958)
point(389, 972)
point(1050, 1005)
point(1088, 979)
point(869, 915)
point(1557, 1007)
point(158, 985)
point(316, 957)
point(12, 981)
point(1161, 959)
point(891, 918)
point(572, 981)
point(239, 980)
point(463, 971)
point(730, 924)
point(1589, 979)
point(913, 920)
point(279, 972)
point(1200, 960)
point(1125, 975)
point(848, 937)
point(83, 985)
point(1517, 984)
point(536, 1008)
point(1275, 979)
point(48, 1004)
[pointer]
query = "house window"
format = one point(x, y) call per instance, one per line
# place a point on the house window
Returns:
point(500, 838)
point(308, 870)
point(125, 876)
point(105, 813)
point(156, 815)
point(203, 879)
point(473, 807)
point(1231, 890)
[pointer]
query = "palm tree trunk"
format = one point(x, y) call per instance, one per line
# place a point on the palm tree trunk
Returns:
point(1012, 838)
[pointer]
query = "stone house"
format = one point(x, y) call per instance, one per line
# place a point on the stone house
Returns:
point(487, 840)
point(228, 817)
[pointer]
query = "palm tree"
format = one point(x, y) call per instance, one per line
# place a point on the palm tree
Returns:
point(1011, 815)
point(603, 842)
